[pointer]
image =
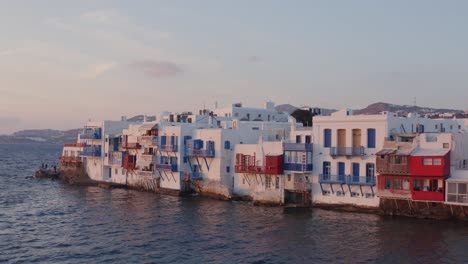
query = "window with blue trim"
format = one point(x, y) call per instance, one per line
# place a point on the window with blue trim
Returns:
point(227, 144)
point(327, 138)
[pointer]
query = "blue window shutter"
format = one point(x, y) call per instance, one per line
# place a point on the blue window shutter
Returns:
point(227, 144)
point(371, 138)
point(327, 138)
point(163, 140)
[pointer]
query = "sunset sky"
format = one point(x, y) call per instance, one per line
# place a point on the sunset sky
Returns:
point(64, 62)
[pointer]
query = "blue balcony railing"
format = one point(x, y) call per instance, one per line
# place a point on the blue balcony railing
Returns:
point(90, 136)
point(209, 153)
point(298, 167)
point(347, 151)
point(328, 178)
point(297, 146)
point(360, 180)
point(167, 167)
point(170, 148)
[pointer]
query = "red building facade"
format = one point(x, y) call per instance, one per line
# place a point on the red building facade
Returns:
point(418, 174)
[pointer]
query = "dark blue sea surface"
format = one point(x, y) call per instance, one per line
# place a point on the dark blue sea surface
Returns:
point(44, 221)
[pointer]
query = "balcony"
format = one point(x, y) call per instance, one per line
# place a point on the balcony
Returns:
point(298, 167)
point(360, 180)
point(167, 167)
point(347, 151)
point(168, 148)
point(91, 151)
point(384, 167)
point(147, 158)
point(149, 141)
point(70, 159)
point(297, 146)
point(144, 173)
point(274, 170)
point(331, 179)
point(208, 153)
point(127, 145)
point(74, 145)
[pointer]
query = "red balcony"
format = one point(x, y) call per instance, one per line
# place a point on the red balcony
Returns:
point(417, 189)
point(70, 159)
point(75, 145)
point(245, 164)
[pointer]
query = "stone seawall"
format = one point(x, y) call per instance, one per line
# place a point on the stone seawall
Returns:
point(387, 206)
point(422, 209)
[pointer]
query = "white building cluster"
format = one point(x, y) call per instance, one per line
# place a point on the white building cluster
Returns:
point(266, 156)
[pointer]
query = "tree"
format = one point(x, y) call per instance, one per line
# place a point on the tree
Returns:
point(303, 116)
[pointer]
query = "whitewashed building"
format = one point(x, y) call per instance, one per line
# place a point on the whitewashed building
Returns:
point(345, 147)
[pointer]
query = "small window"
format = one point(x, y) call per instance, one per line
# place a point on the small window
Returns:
point(185, 159)
point(268, 182)
point(427, 162)
point(228, 169)
point(277, 182)
point(298, 139)
point(436, 126)
point(227, 144)
point(437, 162)
point(289, 177)
point(116, 171)
point(243, 181)
point(406, 185)
point(397, 184)
point(388, 184)
point(446, 145)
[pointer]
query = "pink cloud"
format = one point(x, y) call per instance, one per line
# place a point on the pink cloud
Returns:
point(157, 69)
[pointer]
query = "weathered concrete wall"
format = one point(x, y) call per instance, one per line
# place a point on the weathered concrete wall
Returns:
point(421, 209)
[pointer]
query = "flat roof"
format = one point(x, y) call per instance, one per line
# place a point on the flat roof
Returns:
point(458, 176)
point(429, 152)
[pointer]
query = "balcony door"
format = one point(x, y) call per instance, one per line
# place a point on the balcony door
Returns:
point(341, 170)
point(355, 172)
point(357, 138)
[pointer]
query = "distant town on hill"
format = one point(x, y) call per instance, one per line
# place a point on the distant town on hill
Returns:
point(50, 136)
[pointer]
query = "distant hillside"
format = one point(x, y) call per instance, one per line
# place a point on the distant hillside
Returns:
point(286, 108)
point(141, 118)
point(51, 136)
point(46, 136)
point(404, 109)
